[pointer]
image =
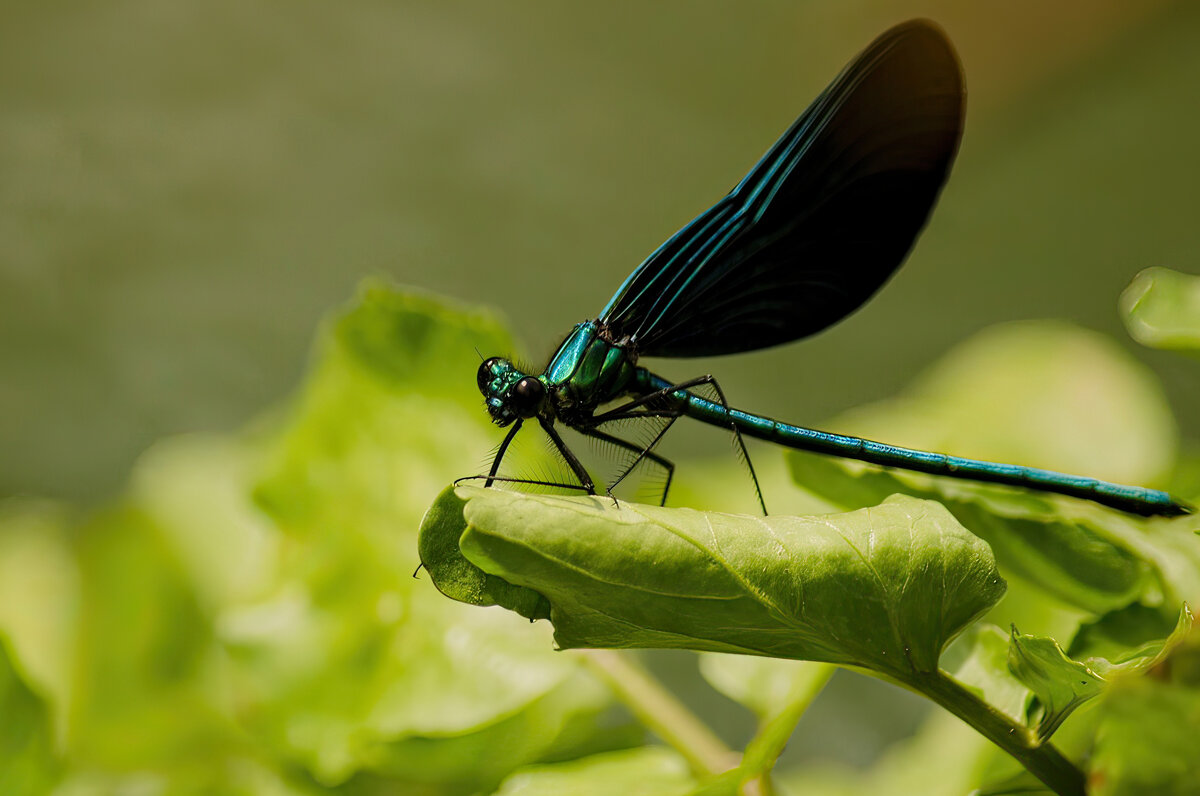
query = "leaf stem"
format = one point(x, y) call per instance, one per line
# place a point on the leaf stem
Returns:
point(659, 710)
point(1040, 759)
point(774, 732)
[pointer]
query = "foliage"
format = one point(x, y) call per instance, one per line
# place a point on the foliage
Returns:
point(243, 619)
point(884, 589)
point(1161, 309)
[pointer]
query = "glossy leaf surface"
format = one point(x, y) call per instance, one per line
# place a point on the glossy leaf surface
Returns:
point(882, 588)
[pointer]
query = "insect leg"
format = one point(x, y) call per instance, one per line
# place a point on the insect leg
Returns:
point(504, 480)
point(576, 467)
point(642, 453)
point(585, 482)
point(491, 476)
point(670, 393)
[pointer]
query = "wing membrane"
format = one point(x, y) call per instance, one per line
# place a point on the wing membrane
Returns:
point(820, 223)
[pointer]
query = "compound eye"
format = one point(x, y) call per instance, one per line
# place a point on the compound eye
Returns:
point(484, 377)
point(527, 396)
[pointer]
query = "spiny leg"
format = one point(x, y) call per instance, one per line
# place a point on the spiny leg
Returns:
point(741, 444)
point(585, 483)
point(504, 480)
point(491, 476)
point(669, 393)
point(576, 467)
point(643, 453)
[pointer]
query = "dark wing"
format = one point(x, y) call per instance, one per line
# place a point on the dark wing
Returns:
point(820, 223)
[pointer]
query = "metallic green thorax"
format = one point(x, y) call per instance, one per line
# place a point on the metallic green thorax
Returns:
point(586, 370)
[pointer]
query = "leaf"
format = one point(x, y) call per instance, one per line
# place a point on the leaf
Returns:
point(1185, 479)
point(388, 414)
point(777, 690)
point(764, 685)
point(1134, 633)
point(39, 595)
point(345, 661)
point(418, 342)
point(1061, 684)
point(29, 765)
point(1143, 657)
point(561, 724)
point(1146, 741)
point(1144, 725)
point(1044, 394)
point(882, 588)
point(458, 578)
point(103, 622)
point(1065, 549)
point(139, 696)
point(1161, 309)
point(648, 771)
point(979, 660)
point(230, 550)
point(245, 619)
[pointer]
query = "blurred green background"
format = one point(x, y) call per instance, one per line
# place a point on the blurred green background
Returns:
point(187, 187)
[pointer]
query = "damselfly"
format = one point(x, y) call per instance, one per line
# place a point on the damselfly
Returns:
point(815, 228)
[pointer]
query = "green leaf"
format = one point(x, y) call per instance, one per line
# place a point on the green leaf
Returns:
point(1143, 657)
point(414, 341)
point(979, 660)
point(1067, 549)
point(346, 662)
point(458, 578)
point(29, 765)
point(648, 771)
point(388, 414)
point(1133, 638)
point(246, 619)
point(777, 690)
point(1144, 726)
point(39, 595)
point(1161, 309)
point(103, 621)
point(229, 550)
point(247, 775)
point(562, 724)
point(1041, 393)
point(140, 696)
point(764, 685)
point(1060, 684)
point(1044, 394)
point(1185, 479)
point(1146, 741)
point(882, 588)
